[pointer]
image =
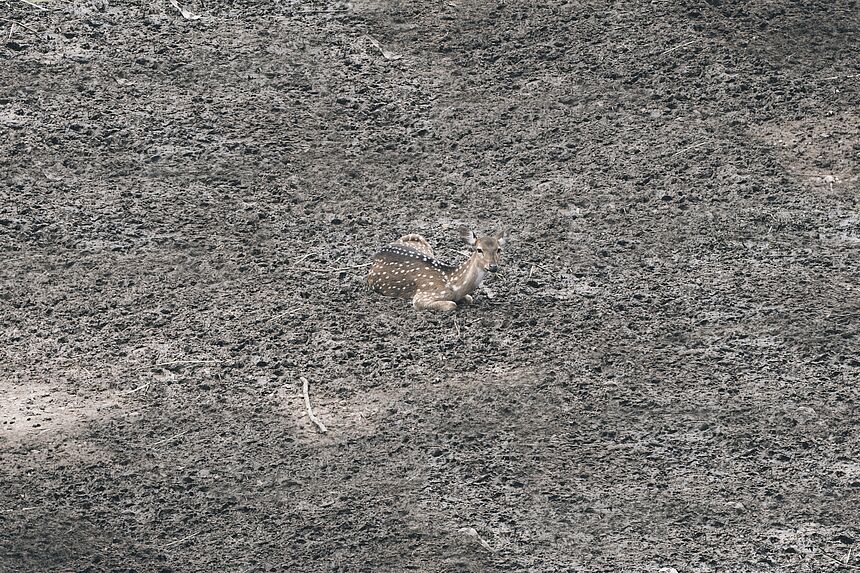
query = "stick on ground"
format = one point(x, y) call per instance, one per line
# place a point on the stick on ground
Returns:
point(385, 53)
point(313, 418)
point(169, 438)
point(34, 5)
point(471, 532)
point(23, 25)
point(178, 541)
point(679, 46)
point(141, 387)
point(172, 362)
point(327, 270)
point(686, 149)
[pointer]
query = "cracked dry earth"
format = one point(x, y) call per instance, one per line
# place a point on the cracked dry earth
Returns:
point(664, 377)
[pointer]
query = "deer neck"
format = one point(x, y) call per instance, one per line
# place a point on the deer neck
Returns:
point(467, 277)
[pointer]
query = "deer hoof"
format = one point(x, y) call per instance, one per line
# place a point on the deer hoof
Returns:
point(442, 305)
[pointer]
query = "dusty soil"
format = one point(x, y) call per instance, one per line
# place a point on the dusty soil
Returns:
point(664, 377)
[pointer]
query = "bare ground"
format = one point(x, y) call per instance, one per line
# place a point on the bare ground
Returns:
point(665, 376)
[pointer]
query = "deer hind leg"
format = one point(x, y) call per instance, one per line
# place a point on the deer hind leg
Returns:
point(423, 302)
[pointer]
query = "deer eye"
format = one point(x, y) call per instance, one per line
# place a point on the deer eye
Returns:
point(480, 251)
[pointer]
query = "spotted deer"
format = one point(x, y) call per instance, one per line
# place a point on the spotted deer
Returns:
point(407, 268)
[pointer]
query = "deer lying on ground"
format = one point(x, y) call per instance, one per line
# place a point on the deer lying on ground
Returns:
point(407, 268)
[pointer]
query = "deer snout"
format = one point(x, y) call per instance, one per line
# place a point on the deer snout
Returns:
point(493, 267)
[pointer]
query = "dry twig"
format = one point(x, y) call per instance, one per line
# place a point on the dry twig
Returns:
point(141, 387)
point(690, 148)
point(329, 11)
point(178, 541)
point(303, 257)
point(34, 5)
point(313, 418)
point(160, 364)
point(324, 270)
point(385, 53)
point(471, 532)
point(169, 438)
point(843, 563)
point(679, 46)
point(283, 314)
point(14, 22)
point(187, 14)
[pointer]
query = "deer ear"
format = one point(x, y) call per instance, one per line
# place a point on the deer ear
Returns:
point(468, 235)
point(503, 238)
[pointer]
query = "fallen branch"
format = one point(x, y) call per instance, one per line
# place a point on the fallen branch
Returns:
point(313, 418)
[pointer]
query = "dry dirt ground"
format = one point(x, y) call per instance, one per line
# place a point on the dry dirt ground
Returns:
point(665, 377)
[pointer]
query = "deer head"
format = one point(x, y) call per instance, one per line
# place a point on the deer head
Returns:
point(487, 250)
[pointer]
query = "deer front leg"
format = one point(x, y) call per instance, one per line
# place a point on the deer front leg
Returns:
point(424, 303)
